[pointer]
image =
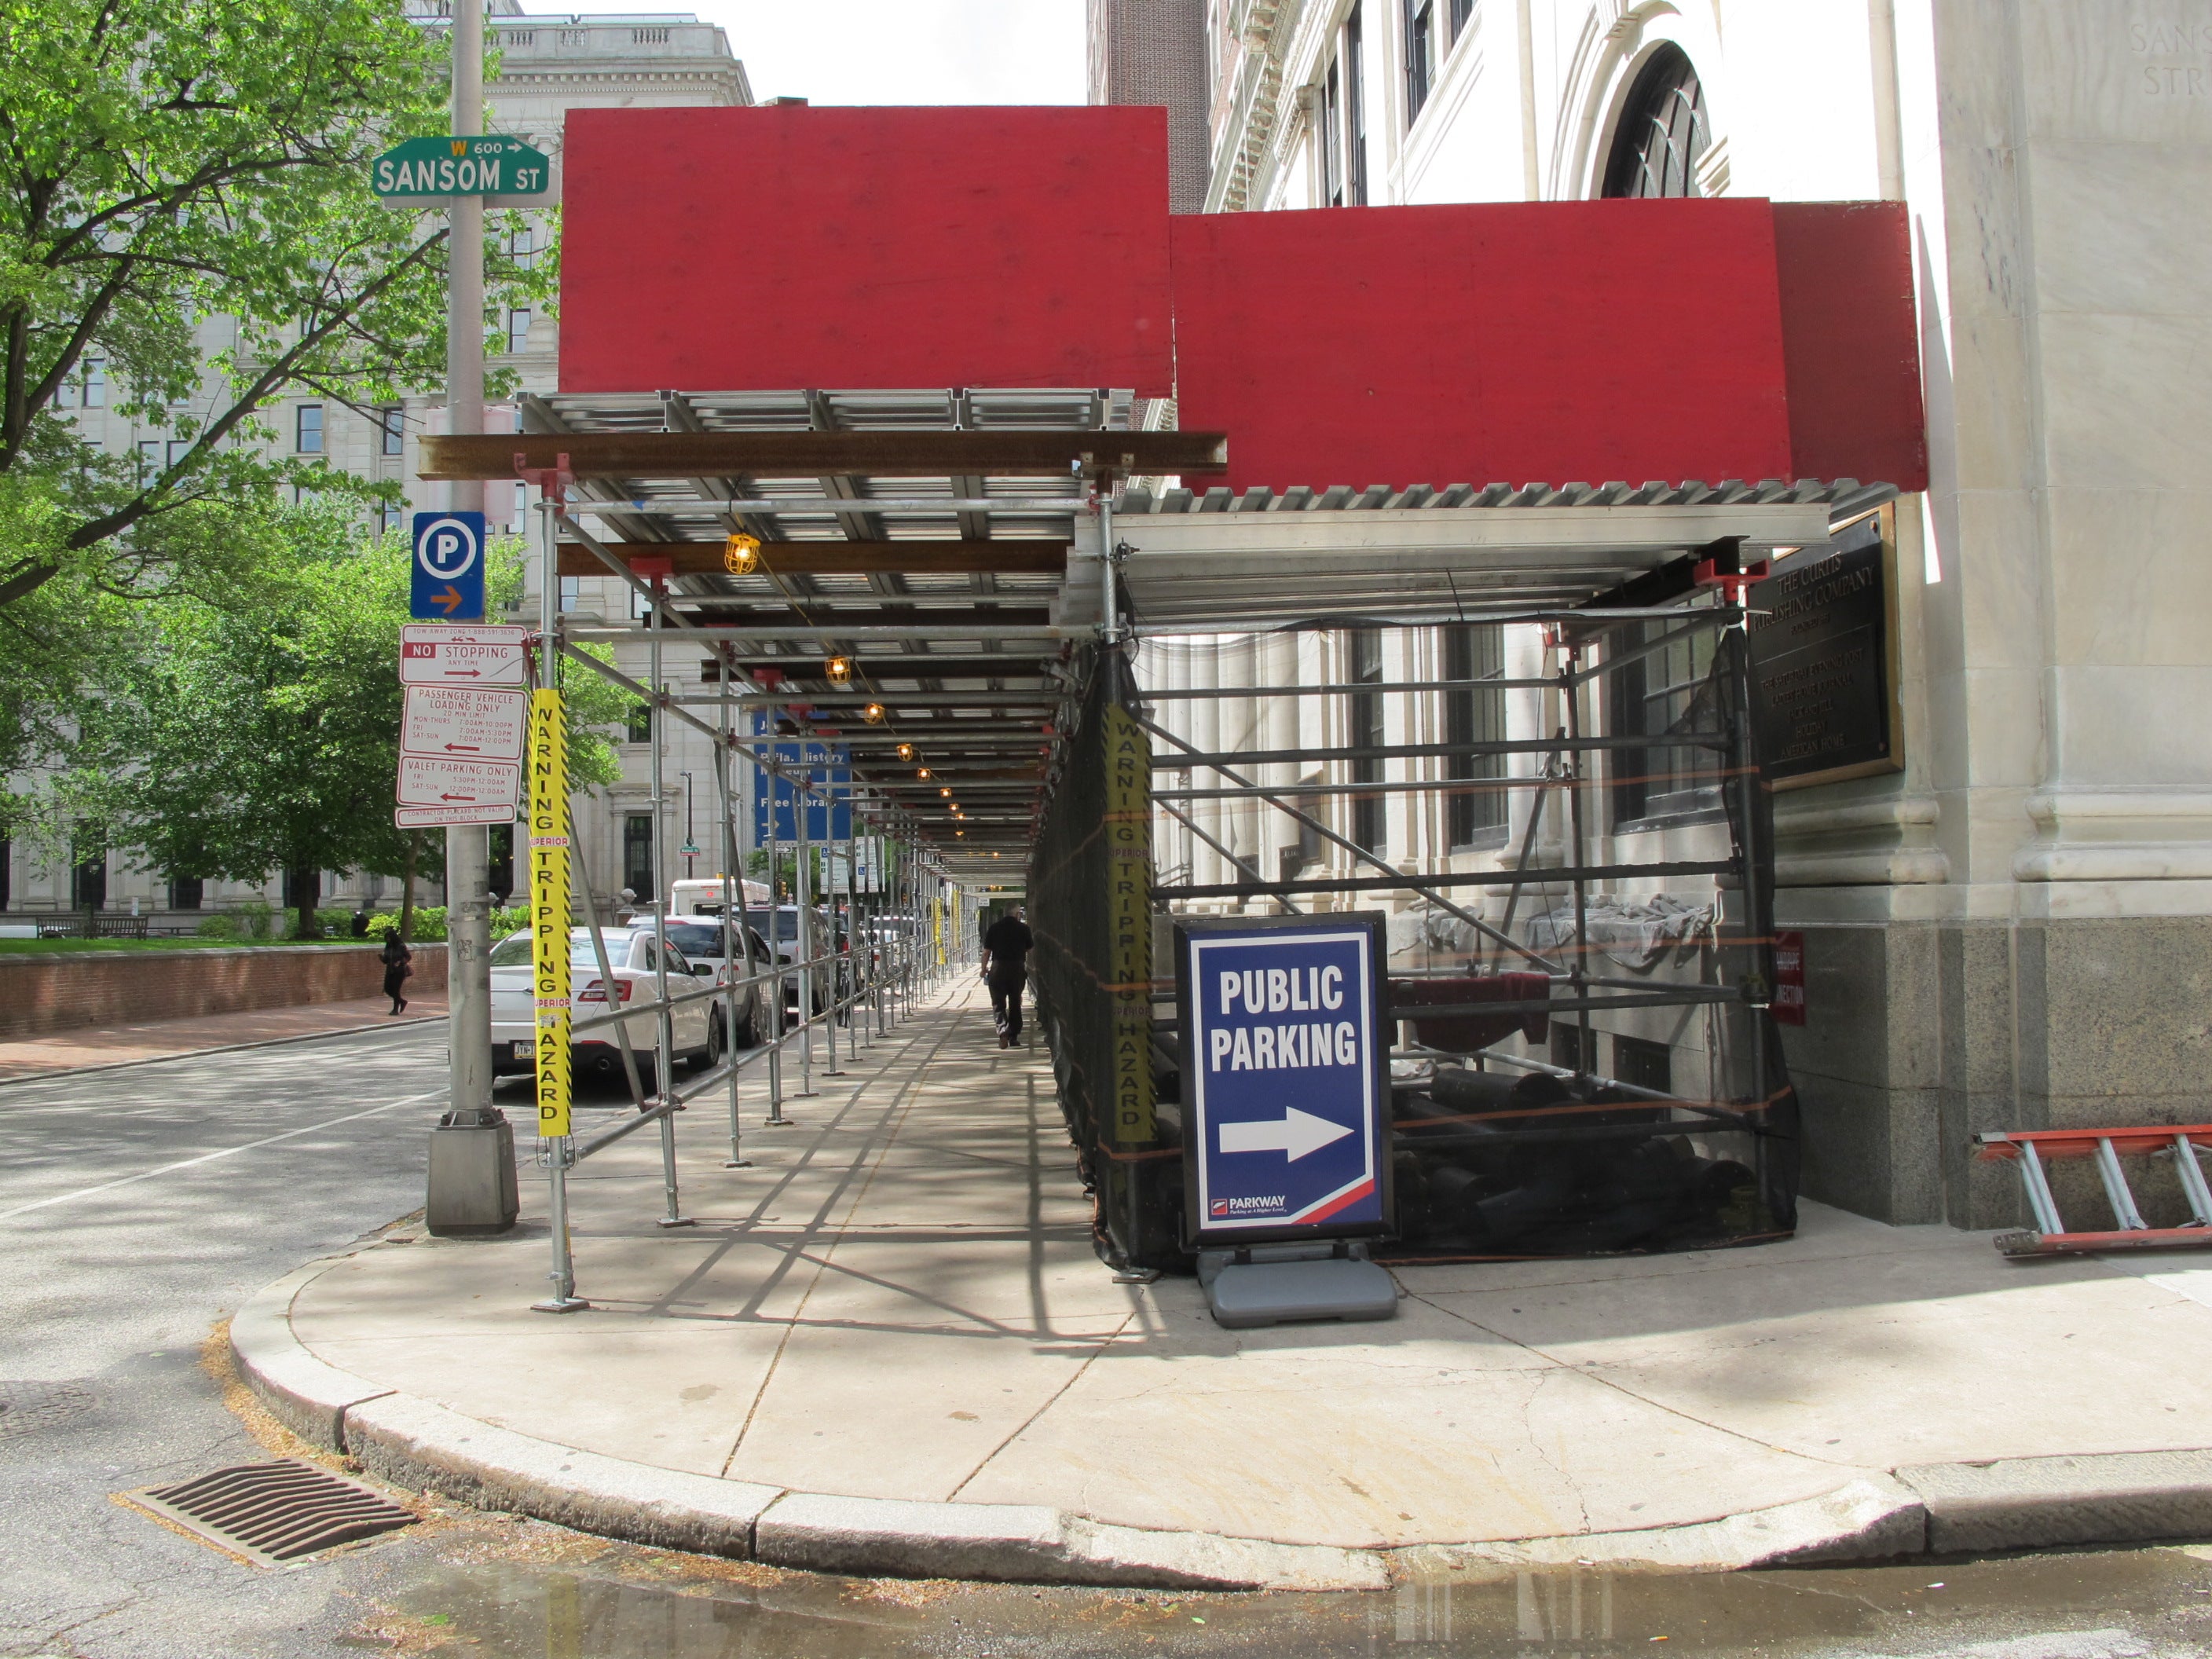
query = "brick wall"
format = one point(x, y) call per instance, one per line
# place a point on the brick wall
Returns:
point(67, 991)
point(1153, 52)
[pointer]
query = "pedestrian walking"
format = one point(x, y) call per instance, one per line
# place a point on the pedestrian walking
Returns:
point(1007, 948)
point(399, 965)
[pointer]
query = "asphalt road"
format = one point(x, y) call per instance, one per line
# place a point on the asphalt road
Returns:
point(139, 1206)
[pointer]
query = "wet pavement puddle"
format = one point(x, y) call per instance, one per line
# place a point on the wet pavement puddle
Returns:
point(561, 1597)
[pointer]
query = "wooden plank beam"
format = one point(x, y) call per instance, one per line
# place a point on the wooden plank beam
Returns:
point(910, 558)
point(877, 453)
point(823, 616)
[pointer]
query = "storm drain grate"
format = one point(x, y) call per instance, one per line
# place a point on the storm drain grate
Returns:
point(275, 1512)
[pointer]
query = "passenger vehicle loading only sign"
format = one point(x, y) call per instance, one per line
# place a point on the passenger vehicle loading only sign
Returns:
point(1285, 1075)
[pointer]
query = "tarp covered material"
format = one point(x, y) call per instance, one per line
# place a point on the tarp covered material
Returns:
point(1638, 934)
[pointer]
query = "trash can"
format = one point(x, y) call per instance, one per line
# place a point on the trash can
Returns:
point(472, 1187)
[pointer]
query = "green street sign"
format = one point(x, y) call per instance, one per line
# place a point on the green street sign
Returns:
point(505, 171)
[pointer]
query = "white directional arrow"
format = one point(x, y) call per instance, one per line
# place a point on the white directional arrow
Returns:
point(1296, 1132)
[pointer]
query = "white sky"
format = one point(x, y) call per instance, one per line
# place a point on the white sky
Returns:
point(901, 51)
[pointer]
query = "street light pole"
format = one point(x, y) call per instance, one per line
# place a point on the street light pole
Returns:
point(468, 847)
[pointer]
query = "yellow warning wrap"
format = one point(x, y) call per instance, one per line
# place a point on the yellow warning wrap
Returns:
point(549, 910)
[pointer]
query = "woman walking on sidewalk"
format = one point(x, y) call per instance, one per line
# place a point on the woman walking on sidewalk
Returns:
point(398, 963)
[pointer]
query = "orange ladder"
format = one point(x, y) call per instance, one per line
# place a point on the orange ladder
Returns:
point(2029, 1148)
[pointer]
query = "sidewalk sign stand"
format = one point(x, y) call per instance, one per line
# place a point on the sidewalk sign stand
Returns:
point(1286, 1057)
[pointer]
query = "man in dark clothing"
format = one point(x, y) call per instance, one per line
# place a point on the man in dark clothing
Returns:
point(1007, 948)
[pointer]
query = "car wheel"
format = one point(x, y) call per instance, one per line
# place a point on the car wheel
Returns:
point(748, 1033)
point(716, 1047)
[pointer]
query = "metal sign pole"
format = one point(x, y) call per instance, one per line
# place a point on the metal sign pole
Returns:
point(468, 847)
point(664, 1064)
point(738, 952)
point(767, 780)
point(803, 888)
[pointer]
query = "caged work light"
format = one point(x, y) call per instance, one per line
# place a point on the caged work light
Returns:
point(840, 670)
point(741, 554)
point(873, 713)
point(906, 751)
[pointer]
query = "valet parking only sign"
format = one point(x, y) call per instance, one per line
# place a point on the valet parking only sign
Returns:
point(1285, 1075)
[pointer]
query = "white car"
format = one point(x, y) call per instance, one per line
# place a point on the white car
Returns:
point(631, 953)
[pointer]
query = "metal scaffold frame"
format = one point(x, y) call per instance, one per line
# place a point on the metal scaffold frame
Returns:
point(967, 571)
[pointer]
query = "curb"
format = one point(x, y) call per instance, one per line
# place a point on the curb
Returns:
point(1924, 1508)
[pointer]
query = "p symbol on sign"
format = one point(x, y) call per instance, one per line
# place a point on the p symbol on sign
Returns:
point(447, 548)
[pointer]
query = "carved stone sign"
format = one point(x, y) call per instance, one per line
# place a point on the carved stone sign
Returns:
point(1820, 644)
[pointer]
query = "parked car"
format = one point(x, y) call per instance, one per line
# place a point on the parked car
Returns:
point(633, 957)
point(708, 940)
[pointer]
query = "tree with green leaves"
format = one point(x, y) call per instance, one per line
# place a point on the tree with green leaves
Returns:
point(234, 740)
point(184, 202)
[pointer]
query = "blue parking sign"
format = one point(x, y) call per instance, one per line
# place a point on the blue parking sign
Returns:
point(1286, 1076)
point(449, 568)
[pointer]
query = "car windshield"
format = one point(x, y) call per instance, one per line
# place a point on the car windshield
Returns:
point(786, 923)
point(695, 941)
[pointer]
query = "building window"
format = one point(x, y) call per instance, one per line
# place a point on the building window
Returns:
point(65, 393)
point(1421, 55)
point(1642, 1064)
point(150, 460)
point(1658, 693)
point(7, 872)
point(186, 892)
point(1461, 10)
point(637, 724)
point(571, 591)
point(1574, 1047)
point(1663, 133)
point(389, 518)
point(1474, 652)
point(307, 429)
point(522, 247)
point(1332, 137)
point(637, 854)
point(518, 329)
point(1363, 730)
point(95, 383)
point(175, 450)
point(89, 884)
point(1355, 109)
point(391, 432)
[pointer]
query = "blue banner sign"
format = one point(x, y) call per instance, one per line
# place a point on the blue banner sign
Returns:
point(1286, 1072)
point(828, 768)
point(449, 568)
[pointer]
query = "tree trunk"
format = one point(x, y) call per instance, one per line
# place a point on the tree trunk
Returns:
point(407, 885)
point(306, 898)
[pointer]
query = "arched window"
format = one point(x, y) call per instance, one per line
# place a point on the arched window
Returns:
point(1663, 131)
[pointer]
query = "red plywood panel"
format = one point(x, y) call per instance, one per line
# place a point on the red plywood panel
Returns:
point(1518, 342)
point(1850, 342)
point(780, 247)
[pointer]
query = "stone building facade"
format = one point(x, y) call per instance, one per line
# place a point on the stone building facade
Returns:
point(2008, 923)
point(548, 65)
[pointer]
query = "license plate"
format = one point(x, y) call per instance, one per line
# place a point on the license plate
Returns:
point(522, 1050)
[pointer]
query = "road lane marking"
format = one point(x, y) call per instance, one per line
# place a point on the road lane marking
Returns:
point(228, 1151)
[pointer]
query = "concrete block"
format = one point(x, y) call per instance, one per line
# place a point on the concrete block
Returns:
point(1025, 1543)
point(411, 1444)
point(1871, 1519)
point(2027, 1502)
point(305, 1395)
point(1198, 1560)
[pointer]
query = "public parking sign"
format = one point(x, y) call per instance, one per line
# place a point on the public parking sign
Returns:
point(449, 568)
point(1285, 1074)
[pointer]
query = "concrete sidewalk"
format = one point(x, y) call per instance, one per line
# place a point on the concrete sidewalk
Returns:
point(889, 1346)
point(99, 1047)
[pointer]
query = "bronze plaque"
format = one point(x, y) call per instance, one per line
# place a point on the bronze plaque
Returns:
point(1822, 673)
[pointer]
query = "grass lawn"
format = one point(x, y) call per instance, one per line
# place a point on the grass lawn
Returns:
point(46, 947)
